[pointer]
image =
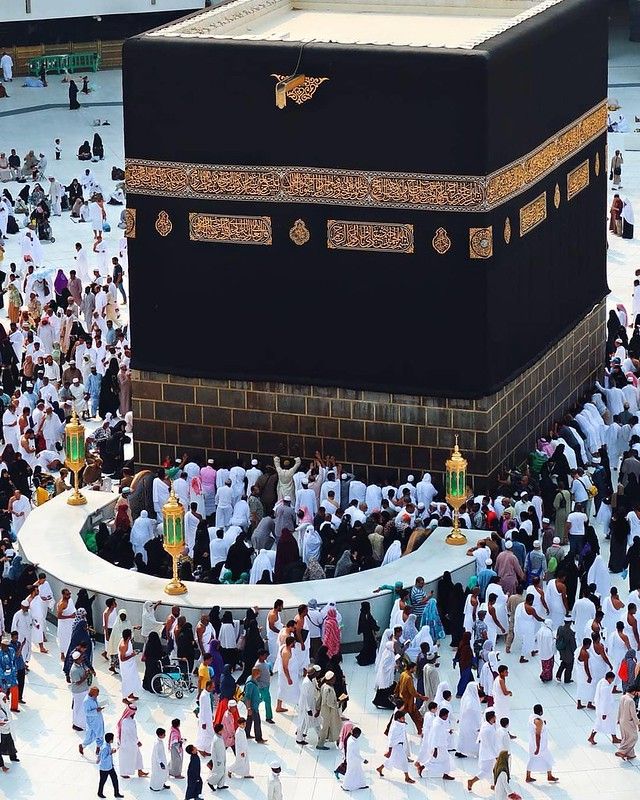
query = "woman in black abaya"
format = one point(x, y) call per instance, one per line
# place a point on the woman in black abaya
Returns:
point(367, 628)
point(74, 105)
point(618, 545)
point(109, 398)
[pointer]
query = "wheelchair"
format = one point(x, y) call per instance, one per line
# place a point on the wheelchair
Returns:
point(174, 680)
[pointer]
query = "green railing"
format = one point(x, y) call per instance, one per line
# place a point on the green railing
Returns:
point(65, 62)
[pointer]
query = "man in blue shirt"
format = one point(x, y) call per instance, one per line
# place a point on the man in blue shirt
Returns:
point(106, 766)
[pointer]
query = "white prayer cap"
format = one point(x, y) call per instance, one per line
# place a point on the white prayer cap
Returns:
point(254, 462)
point(568, 618)
point(329, 675)
point(232, 704)
point(524, 494)
point(556, 540)
point(421, 506)
point(313, 668)
point(76, 380)
point(76, 655)
point(410, 479)
point(177, 460)
point(210, 461)
point(72, 361)
point(545, 520)
point(275, 765)
point(25, 604)
point(536, 544)
point(488, 562)
point(344, 476)
point(287, 498)
point(304, 482)
point(595, 459)
point(508, 544)
point(483, 607)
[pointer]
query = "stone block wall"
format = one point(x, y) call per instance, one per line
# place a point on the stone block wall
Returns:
point(372, 432)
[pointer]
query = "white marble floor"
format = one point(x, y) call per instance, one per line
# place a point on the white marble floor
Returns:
point(51, 765)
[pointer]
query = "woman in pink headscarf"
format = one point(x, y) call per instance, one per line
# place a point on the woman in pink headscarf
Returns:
point(331, 633)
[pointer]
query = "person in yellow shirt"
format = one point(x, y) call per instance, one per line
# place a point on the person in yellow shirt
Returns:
point(205, 673)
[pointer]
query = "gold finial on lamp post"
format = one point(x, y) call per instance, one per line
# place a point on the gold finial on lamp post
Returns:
point(173, 539)
point(75, 460)
point(456, 491)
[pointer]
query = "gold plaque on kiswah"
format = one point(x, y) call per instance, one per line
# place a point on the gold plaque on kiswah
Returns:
point(533, 213)
point(229, 229)
point(577, 179)
point(382, 237)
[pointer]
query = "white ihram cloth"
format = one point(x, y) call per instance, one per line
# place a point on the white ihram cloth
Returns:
point(129, 673)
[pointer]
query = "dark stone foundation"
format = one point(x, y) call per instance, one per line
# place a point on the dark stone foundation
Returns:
point(371, 432)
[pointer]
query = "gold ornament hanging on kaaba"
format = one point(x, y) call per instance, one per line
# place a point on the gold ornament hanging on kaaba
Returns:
point(441, 242)
point(481, 242)
point(164, 226)
point(298, 88)
point(596, 166)
point(556, 197)
point(507, 230)
point(299, 233)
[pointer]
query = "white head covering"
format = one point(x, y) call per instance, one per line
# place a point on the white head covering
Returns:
point(261, 563)
point(386, 666)
point(149, 621)
point(470, 708)
point(443, 686)
point(627, 211)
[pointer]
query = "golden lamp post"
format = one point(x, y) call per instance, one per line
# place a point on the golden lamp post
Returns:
point(75, 461)
point(457, 492)
point(173, 539)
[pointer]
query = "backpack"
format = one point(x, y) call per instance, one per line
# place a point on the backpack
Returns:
point(552, 566)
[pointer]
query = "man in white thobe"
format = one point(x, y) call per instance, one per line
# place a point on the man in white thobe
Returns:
point(55, 196)
point(129, 745)
point(191, 521)
point(20, 507)
point(10, 427)
point(218, 760)
point(78, 391)
point(252, 475)
point(307, 714)
point(606, 713)
point(22, 623)
point(159, 763)
point(306, 498)
point(224, 505)
point(160, 494)
point(241, 515)
point(6, 62)
point(237, 475)
point(205, 721)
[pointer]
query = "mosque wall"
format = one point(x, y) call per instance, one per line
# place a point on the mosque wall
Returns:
point(373, 433)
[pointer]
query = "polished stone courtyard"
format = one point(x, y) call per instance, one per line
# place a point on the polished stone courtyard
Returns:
point(51, 766)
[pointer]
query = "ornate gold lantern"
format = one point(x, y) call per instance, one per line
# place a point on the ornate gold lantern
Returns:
point(75, 461)
point(456, 491)
point(173, 539)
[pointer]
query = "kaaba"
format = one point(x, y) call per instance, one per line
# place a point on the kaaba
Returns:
point(362, 227)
